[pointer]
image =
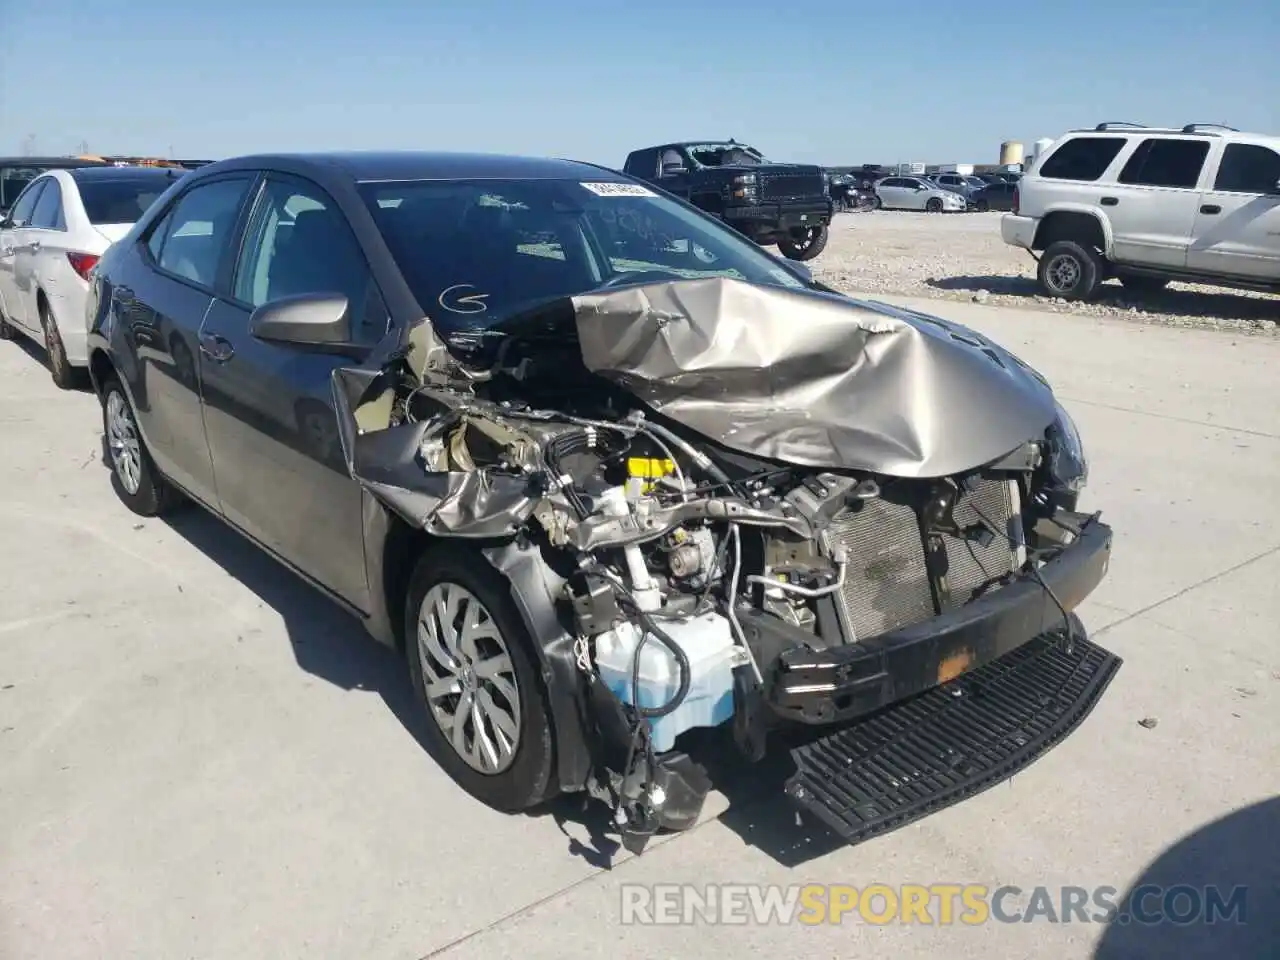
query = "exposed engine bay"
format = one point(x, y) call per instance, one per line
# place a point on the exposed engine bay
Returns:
point(684, 567)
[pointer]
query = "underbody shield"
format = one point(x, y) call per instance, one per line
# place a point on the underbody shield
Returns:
point(934, 750)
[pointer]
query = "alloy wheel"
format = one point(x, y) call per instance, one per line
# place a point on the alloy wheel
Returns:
point(122, 441)
point(468, 677)
point(1063, 273)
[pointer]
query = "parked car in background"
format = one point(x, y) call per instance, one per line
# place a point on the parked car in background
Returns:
point(17, 172)
point(57, 230)
point(772, 203)
point(964, 184)
point(917, 193)
point(1150, 205)
point(994, 196)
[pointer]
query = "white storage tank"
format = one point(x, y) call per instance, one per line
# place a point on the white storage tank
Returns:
point(1037, 151)
point(1010, 152)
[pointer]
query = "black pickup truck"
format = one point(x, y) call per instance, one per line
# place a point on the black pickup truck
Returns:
point(783, 203)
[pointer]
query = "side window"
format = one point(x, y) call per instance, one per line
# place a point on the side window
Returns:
point(300, 242)
point(48, 210)
point(199, 230)
point(1163, 162)
point(1248, 168)
point(21, 212)
point(1082, 158)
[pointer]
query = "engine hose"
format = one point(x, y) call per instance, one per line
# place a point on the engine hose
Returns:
point(701, 459)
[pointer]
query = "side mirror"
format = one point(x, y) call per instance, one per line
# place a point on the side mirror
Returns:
point(5, 222)
point(672, 169)
point(317, 321)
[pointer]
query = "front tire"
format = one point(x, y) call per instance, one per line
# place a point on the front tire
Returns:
point(808, 248)
point(137, 482)
point(933, 205)
point(982, 206)
point(1070, 270)
point(472, 664)
point(6, 331)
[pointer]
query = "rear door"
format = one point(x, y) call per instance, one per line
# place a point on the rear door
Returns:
point(1152, 205)
point(272, 427)
point(1237, 229)
point(160, 302)
point(12, 240)
point(43, 237)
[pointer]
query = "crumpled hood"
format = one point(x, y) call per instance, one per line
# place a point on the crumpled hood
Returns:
point(815, 379)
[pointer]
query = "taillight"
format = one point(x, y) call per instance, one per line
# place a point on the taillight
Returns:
point(1015, 201)
point(82, 263)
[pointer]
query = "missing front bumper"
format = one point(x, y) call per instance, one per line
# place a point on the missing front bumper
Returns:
point(844, 682)
point(934, 750)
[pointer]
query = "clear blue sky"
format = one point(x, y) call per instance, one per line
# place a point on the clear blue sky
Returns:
point(803, 80)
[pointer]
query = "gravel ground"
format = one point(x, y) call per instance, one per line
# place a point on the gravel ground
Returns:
point(961, 257)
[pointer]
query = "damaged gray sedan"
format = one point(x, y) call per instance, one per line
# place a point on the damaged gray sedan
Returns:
point(609, 473)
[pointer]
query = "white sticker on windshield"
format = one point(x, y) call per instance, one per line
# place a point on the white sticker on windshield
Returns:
point(619, 190)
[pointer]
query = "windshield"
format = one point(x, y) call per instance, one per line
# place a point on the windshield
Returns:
point(121, 201)
point(475, 252)
point(726, 155)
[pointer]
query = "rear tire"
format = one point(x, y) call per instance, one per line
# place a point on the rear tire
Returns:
point(1143, 284)
point(1070, 270)
point(491, 667)
point(6, 332)
point(134, 476)
point(65, 376)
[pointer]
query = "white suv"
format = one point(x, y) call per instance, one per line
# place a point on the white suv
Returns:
point(1149, 205)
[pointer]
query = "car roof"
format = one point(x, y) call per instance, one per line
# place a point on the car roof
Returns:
point(373, 166)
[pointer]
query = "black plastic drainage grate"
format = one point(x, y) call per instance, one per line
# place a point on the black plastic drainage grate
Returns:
point(950, 743)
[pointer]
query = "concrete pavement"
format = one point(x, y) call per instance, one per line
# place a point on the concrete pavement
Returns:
point(200, 757)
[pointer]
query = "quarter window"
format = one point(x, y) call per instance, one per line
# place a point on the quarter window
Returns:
point(1162, 162)
point(1082, 158)
point(299, 242)
point(1248, 168)
point(21, 213)
point(199, 230)
point(48, 210)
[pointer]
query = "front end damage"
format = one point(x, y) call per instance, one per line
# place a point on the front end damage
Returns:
point(723, 505)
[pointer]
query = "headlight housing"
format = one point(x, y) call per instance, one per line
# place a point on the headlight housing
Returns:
point(1068, 465)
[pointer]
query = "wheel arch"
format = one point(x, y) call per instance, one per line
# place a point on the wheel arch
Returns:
point(1073, 223)
point(534, 590)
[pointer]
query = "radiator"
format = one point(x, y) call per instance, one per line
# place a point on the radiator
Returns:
point(887, 582)
point(993, 503)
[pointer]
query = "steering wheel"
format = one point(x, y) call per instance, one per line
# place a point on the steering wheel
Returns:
point(639, 277)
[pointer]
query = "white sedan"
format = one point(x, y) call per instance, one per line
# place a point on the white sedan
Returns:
point(51, 238)
point(916, 193)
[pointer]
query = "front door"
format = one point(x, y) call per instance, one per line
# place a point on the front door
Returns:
point(269, 412)
point(1237, 231)
point(13, 242)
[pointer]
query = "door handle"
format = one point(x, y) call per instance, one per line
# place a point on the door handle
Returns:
point(34, 246)
point(1210, 209)
point(216, 348)
point(1110, 201)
